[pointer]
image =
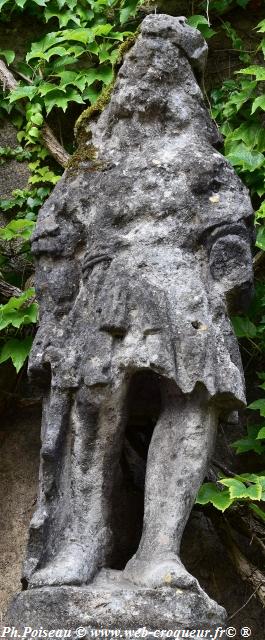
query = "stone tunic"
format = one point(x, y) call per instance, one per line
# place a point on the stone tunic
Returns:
point(144, 249)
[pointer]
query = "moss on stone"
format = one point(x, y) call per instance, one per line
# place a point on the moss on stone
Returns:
point(82, 123)
point(85, 152)
point(125, 47)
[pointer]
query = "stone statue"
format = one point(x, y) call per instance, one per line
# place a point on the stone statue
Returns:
point(142, 251)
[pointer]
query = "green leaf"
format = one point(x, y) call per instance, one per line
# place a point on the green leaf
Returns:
point(105, 74)
point(250, 133)
point(46, 87)
point(261, 26)
point(243, 157)
point(17, 350)
point(60, 98)
point(102, 29)
point(261, 434)
point(243, 327)
point(22, 92)
point(248, 444)
point(260, 240)
point(2, 3)
point(201, 23)
point(18, 317)
point(258, 405)
point(90, 94)
point(254, 70)
point(260, 214)
point(8, 55)
point(78, 35)
point(238, 490)
point(91, 75)
point(17, 228)
point(37, 119)
point(33, 132)
point(129, 9)
point(259, 103)
point(210, 493)
point(54, 51)
point(63, 17)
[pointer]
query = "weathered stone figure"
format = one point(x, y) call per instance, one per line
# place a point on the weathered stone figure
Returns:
point(141, 252)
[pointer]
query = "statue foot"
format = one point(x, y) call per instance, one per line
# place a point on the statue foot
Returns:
point(70, 566)
point(166, 571)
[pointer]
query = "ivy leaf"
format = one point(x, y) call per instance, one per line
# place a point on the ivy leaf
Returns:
point(103, 51)
point(250, 133)
point(60, 98)
point(46, 87)
point(33, 132)
point(79, 35)
point(18, 317)
point(249, 442)
point(246, 158)
point(102, 29)
point(261, 26)
point(129, 9)
point(37, 119)
point(243, 327)
point(90, 94)
point(17, 350)
point(260, 240)
point(254, 70)
point(39, 48)
point(17, 228)
point(22, 92)
point(8, 55)
point(91, 75)
point(258, 405)
point(105, 74)
point(201, 23)
point(67, 77)
point(54, 51)
point(64, 17)
point(210, 493)
point(238, 490)
point(261, 434)
point(259, 103)
point(65, 61)
point(260, 214)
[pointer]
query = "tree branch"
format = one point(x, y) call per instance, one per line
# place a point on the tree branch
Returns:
point(49, 140)
point(7, 290)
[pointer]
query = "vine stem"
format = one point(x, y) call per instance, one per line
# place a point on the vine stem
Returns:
point(49, 140)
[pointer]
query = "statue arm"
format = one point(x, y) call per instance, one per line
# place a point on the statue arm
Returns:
point(230, 262)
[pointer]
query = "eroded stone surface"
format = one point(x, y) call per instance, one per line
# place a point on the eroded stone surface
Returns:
point(107, 605)
point(141, 253)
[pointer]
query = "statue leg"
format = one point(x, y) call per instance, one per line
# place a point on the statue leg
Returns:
point(179, 453)
point(89, 470)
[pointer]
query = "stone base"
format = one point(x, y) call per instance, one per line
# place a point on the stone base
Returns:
point(109, 604)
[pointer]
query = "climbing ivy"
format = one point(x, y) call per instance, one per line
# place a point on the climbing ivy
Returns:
point(70, 64)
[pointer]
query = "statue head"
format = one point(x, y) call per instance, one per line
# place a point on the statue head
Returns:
point(176, 29)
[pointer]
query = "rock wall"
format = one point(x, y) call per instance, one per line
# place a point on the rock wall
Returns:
point(19, 455)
